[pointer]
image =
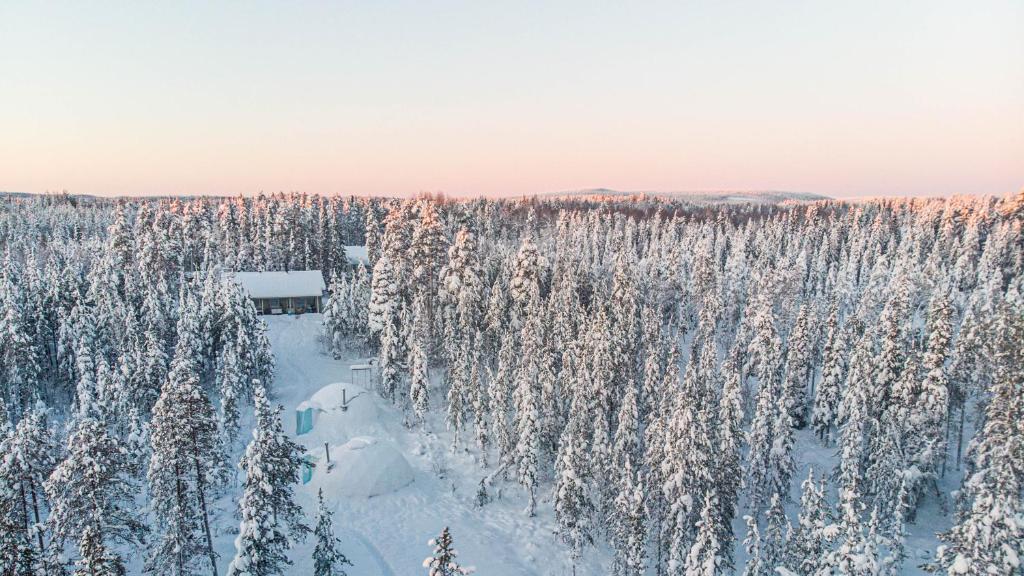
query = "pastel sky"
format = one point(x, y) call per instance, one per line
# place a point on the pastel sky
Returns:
point(846, 98)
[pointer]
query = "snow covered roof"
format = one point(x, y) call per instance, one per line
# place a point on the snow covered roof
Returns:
point(282, 284)
point(357, 254)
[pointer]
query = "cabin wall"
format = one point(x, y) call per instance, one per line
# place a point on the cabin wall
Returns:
point(297, 305)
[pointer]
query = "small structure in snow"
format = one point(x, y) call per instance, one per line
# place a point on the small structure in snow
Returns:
point(291, 292)
point(365, 369)
point(357, 255)
point(336, 412)
point(366, 467)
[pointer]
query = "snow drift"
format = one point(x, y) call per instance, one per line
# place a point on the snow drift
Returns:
point(363, 467)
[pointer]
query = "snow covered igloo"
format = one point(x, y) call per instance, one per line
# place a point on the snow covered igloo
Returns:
point(364, 467)
point(336, 413)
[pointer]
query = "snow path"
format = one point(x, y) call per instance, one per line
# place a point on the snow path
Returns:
point(382, 564)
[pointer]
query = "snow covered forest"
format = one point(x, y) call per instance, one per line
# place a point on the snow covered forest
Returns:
point(658, 387)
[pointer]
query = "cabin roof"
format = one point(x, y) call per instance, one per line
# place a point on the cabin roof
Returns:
point(357, 254)
point(292, 284)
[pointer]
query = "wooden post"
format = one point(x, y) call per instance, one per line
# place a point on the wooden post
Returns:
point(344, 400)
point(327, 449)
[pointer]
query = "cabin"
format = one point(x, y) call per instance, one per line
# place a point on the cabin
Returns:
point(357, 256)
point(293, 292)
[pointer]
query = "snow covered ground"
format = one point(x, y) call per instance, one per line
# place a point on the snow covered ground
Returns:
point(387, 534)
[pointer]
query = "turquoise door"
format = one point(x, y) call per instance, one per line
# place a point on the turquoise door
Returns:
point(308, 464)
point(303, 421)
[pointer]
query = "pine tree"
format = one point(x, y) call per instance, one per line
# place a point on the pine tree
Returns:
point(95, 558)
point(774, 541)
point(799, 368)
point(271, 520)
point(988, 537)
point(390, 360)
point(811, 537)
point(29, 456)
point(527, 443)
point(627, 432)
point(480, 405)
point(443, 563)
point(231, 386)
point(385, 297)
point(461, 290)
point(458, 392)
point(527, 398)
point(855, 414)
point(929, 419)
point(327, 559)
point(187, 461)
point(419, 382)
point(857, 552)
point(756, 565)
point(764, 472)
point(499, 391)
point(892, 353)
point(833, 374)
point(525, 279)
point(629, 535)
point(706, 557)
point(573, 507)
point(91, 499)
point(729, 473)
point(426, 248)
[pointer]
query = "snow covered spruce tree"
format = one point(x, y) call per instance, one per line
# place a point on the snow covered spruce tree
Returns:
point(629, 529)
point(833, 375)
point(988, 537)
point(573, 507)
point(527, 398)
point(443, 562)
point(770, 459)
point(91, 499)
point(29, 456)
point(187, 462)
point(328, 560)
point(562, 326)
point(271, 520)
point(799, 369)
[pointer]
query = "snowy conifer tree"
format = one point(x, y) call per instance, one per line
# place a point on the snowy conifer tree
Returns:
point(706, 556)
point(988, 537)
point(327, 559)
point(811, 537)
point(187, 460)
point(443, 563)
point(91, 499)
point(573, 507)
point(629, 533)
point(833, 374)
point(799, 368)
point(419, 381)
point(271, 520)
point(29, 456)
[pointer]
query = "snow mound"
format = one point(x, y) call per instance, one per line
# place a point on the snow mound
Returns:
point(335, 422)
point(364, 467)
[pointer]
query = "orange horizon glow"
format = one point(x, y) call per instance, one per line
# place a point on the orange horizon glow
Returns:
point(845, 99)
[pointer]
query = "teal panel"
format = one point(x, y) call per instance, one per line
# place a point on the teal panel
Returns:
point(303, 421)
point(308, 465)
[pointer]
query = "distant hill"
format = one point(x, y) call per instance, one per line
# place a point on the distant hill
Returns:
point(702, 197)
